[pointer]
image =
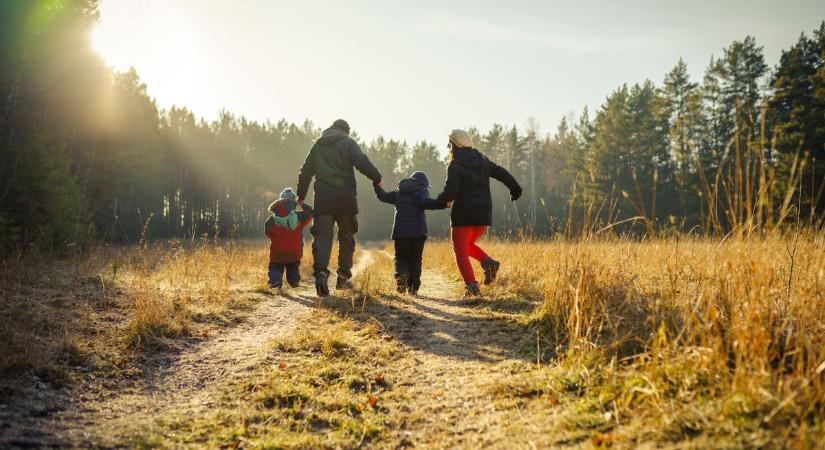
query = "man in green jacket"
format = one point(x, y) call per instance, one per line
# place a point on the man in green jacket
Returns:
point(331, 161)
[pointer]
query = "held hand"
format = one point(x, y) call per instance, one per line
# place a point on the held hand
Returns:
point(450, 204)
point(380, 184)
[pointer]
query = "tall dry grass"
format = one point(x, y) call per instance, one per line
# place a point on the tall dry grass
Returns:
point(97, 308)
point(682, 334)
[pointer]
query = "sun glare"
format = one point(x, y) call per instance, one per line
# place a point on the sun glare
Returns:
point(104, 43)
point(164, 46)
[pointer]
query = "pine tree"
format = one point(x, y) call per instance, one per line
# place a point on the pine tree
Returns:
point(797, 112)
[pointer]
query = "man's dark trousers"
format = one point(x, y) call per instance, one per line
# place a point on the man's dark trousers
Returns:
point(276, 274)
point(408, 253)
point(322, 231)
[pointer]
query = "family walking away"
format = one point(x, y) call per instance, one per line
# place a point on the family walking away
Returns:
point(332, 162)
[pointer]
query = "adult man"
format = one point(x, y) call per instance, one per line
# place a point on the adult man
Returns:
point(331, 161)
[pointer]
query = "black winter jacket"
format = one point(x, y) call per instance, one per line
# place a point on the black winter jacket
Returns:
point(331, 161)
point(468, 185)
point(410, 200)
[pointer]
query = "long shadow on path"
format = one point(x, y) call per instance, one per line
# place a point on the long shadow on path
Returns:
point(464, 330)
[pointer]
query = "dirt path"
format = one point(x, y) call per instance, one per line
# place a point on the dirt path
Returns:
point(184, 384)
point(456, 351)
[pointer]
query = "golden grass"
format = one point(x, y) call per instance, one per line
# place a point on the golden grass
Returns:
point(116, 302)
point(670, 340)
point(683, 341)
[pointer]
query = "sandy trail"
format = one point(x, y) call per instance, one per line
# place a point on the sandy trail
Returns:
point(453, 351)
point(456, 350)
point(183, 383)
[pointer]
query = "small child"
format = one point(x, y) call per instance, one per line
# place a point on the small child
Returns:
point(409, 230)
point(284, 229)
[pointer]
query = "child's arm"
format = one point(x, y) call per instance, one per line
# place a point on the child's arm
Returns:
point(384, 196)
point(306, 215)
point(426, 202)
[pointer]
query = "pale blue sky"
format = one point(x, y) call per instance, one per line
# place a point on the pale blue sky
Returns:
point(416, 70)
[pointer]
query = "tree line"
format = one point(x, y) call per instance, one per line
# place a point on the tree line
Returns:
point(86, 155)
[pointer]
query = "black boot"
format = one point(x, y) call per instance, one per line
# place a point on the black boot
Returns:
point(490, 267)
point(321, 287)
point(343, 283)
point(472, 290)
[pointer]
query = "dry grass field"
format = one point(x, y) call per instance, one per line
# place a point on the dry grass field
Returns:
point(678, 342)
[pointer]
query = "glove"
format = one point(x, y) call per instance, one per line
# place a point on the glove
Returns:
point(514, 195)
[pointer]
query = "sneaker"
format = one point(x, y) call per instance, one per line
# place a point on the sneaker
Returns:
point(295, 285)
point(490, 267)
point(321, 287)
point(343, 283)
point(472, 290)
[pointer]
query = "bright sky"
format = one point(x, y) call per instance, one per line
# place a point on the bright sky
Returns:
point(416, 70)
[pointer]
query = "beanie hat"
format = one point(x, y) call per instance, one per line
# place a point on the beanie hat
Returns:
point(420, 177)
point(288, 194)
point(461, 139)
point(342, 125)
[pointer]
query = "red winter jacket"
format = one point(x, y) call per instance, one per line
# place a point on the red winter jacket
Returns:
point(286, 246)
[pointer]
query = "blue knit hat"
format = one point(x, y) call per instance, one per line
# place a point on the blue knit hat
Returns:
point(421, 177)
point(289, 194)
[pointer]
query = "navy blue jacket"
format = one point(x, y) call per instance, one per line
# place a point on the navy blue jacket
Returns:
point(410, 200)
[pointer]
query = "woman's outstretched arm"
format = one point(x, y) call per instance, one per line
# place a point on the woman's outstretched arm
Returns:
point(501, 174)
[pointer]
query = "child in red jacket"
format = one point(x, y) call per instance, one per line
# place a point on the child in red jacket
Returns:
point(284, 229)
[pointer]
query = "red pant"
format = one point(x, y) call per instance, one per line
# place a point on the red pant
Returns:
point(464, 246)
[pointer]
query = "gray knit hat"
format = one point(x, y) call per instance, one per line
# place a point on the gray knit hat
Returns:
point(289, 194)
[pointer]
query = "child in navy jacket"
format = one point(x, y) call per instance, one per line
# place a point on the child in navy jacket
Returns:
point(409, 230)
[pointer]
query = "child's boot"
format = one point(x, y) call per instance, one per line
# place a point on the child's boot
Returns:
point(402, 283)
point(414, 285)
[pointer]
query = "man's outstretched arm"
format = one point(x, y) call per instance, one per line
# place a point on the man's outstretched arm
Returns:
point(364, 165)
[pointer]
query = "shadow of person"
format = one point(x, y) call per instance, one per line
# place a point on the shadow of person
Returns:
point(438, 326)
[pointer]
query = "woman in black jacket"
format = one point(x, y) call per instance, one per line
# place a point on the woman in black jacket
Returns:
point(409, 229)
point(468, 186)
